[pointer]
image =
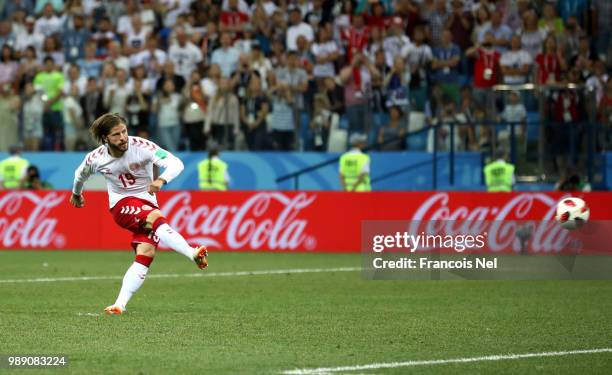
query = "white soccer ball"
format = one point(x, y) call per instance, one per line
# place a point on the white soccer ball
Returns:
point(572, 213)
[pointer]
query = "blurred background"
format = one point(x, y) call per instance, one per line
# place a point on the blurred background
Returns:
point(439, 88)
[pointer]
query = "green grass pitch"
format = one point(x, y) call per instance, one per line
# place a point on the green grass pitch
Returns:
point(231, 323)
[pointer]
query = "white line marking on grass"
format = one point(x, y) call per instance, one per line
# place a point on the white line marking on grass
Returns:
point(88, 314)
point(179, 275)
point(499, 357)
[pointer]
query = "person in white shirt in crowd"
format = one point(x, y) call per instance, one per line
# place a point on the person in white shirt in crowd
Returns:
point(167, 105)
point(396, 43)
point(136, 36)
point(17, 24)
point(343, 12)
point(152, 57)
point(516, 63)
point(116, 57)
point(49, 23)
point(31, 37)
point(33, 107)
point(297, 28)
point(269, 6)
point(184, 54)
point(514, 112)
point(532, 38)
point(419, 56)
point(210, 83)
point(245, 43)
point(446, 115)
point(123, 21)
point(282, 121)
point(115, 94)
point(74, 77)
point(261, 64)
point(243, 6)
point(107, 76)
point(226, 56)
point(500, 31)
point(170, 9)
point(223, 117)
point(296, 78)
point(597, 82)
point(326, 53)
point(376, 43)
point(73, 119)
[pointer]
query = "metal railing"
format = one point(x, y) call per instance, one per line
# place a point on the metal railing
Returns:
point(436, 158)
point(592, 132)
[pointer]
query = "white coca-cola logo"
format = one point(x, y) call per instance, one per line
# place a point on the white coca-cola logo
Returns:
point(249, 225)
point(29, 228)
point(500, 224)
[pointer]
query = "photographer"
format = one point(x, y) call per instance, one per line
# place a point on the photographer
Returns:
point(32, 180)
point(357, 79)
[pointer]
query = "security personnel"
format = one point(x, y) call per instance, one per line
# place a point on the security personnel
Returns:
point(499, 174)
point(13, 169)
point(213, 172)
point(355, 166)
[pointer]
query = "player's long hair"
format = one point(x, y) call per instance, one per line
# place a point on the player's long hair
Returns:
point(102, 126)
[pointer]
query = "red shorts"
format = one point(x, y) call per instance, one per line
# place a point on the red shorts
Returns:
point(131, 213)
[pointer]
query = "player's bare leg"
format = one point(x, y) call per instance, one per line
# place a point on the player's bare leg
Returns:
point(134, 278)
point(173, 239)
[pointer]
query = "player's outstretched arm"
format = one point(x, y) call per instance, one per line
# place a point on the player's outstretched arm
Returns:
point(80, 176)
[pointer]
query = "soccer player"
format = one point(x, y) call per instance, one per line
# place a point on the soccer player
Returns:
point(127, 164)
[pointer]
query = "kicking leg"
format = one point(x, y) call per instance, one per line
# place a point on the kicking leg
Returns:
point(173, 239)
point(134, 277)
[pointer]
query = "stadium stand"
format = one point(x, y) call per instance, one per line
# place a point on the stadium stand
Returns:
point(304, 75)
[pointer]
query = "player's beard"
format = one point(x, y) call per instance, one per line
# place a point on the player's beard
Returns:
point(118, 148)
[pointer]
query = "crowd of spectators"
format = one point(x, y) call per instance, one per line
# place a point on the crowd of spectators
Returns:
point(288, 74)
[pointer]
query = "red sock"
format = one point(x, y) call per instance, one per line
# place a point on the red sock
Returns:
point(144, 260)
point(159, 221)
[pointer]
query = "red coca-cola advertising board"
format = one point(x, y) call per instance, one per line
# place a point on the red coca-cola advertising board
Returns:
point(262, 220)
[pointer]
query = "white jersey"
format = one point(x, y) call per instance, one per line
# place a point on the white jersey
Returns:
point(130, 174)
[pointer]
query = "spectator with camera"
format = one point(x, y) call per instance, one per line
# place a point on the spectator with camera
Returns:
point(223, 117)
point(357, 79)
point(254, 110)
point(167, 106)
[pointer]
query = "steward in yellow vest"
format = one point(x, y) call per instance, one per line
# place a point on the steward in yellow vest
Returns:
point(499, 174)
point(355, 166)
point(212, 172)
point(13, 170)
